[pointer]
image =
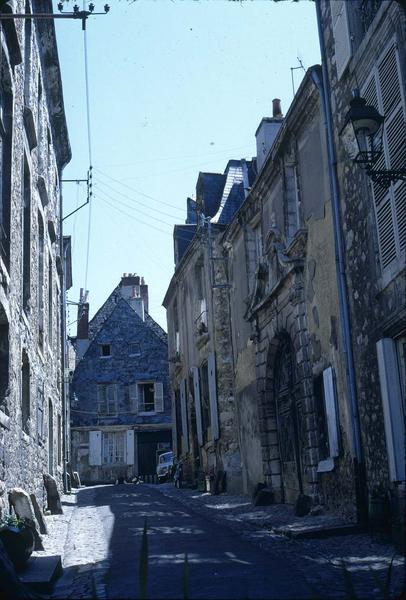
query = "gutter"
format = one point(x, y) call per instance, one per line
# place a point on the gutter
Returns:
point(323, 85)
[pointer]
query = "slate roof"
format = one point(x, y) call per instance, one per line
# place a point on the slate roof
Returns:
point(107, 308)
point(235, 199)
point(209, 190)
point(182, 236)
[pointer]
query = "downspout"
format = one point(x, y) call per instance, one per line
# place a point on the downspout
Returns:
point(324, 88)
point(65, 427)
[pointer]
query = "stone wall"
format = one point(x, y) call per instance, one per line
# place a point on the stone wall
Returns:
point(31, 432)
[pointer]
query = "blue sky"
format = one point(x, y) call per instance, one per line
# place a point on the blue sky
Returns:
point(175, 87)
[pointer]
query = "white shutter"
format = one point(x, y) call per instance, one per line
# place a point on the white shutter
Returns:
point(176, 450)
point(95, 439)
point(331, 411)
point(101, 399)
point(214, 420)
point(198, 406)
point(341, 33)
point(394, 419)
point(133, 393)
point(130, 447)
point(159, 396)
point(384, 91)
point(183, 408)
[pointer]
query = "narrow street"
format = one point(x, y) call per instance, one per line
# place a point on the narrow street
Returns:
point(105, 539)
point(232, 551)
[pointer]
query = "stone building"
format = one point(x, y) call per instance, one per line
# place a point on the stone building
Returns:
point(200, 350)
point(34, 148)
point(120, 401)
point(363, 45)
point(290, 388)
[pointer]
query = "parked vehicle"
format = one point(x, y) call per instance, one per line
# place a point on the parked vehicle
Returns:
point(164, 467)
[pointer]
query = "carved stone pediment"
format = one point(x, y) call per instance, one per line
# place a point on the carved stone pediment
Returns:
point(261, 276)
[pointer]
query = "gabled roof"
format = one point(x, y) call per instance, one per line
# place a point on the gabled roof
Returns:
point(105, 311)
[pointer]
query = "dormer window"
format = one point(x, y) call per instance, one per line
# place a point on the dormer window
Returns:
point(105, 350)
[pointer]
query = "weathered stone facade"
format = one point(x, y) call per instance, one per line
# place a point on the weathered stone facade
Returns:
point(120, 399)
point(365, 49)
point(34, 149)
point(200, 347)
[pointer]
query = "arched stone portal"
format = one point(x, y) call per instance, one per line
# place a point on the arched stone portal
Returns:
point(283, 421)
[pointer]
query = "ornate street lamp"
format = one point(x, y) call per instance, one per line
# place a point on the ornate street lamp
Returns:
point(362, 136)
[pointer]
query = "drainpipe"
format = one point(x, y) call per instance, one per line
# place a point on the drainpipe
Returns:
point(324, 88)
point(65, 411)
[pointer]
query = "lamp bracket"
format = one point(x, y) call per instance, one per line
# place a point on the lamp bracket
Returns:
point(385, 178)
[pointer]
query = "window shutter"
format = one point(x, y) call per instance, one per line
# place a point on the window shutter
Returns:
point(384, 91)
point(176, 450)
point(183, 409)
point(198, 407)
point(95, 438)
point(159, 396)
point(341, 33)
point(211, 367)
point(102, 399)
point(133, 393)
point(331, 411)
point(394, 419)
point(130, 447)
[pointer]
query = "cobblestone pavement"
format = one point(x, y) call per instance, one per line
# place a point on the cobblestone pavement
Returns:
point(81, 535)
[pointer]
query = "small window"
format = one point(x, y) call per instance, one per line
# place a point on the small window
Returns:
point(105, 350)
point(135, 349)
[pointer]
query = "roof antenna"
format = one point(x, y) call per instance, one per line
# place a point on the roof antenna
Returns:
point(294, 69)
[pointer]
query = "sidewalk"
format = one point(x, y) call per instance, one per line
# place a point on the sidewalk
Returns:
point(320, 560)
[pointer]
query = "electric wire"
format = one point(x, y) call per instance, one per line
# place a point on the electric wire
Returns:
point(102, 183)
point(89, 141)
point(134, 218)
point(133, 208)
point(138, 191)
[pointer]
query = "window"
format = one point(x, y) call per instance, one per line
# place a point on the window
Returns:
point(50, 299)
point(59, 440)
point(321, 417)
point(341, 34)
point(107, 399)
point(6, 103)
point(292, 200)
point(25, 394)
point(383, 90)
point(113, 446)
point(135, 349)
point(392, 367)
point(40, 414)
point(41, 241)
point(146, 397)
point(105, 350)
point(26, 235)
point(205, 401)
point(4, 358)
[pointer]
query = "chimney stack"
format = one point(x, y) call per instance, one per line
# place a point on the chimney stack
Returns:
point(135, 291)
point(267, 131)
point(276, 109)
point(82, 336)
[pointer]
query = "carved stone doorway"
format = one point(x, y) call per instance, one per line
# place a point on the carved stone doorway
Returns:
point(287, 421)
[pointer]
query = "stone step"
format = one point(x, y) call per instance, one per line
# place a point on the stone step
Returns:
point(41, 572)
point(317, 531)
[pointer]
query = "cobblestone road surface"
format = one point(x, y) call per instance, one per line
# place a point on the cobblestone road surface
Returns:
point(231, 548)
